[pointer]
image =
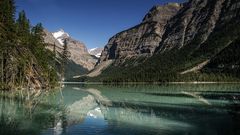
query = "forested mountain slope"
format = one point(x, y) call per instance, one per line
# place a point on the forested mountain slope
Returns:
point(202, 31)
point(24, 61)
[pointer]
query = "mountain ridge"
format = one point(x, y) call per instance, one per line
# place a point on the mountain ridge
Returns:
point(80, 61)
point(192, 35)
point(59, 35)
point(97, 51)
point(142, 39)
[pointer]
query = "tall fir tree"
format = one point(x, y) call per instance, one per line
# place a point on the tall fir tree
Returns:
point(65, 52)
point(37, 34)
point(7, 20)
point(7, 38)
point(23, 28)
point(1, 32)
point(37, 44)
point(65, 56)
point(54, 50)
point(22, 50)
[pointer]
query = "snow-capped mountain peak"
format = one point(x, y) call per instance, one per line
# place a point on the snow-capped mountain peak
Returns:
point(60, 35)
point(95, 51)
point(91, 50)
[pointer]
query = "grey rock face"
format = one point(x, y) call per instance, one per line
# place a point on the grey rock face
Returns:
point(184, 38)
point(197, 20)
point(77, 49)
point(80, 55)
point(142, 39)
point(51, 40)
point(230, 13)
point(96, 52)
point(172, 26)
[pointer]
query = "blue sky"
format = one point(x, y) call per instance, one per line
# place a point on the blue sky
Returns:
point(90, 21)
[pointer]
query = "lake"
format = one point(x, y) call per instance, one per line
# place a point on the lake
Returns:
point(81, 109)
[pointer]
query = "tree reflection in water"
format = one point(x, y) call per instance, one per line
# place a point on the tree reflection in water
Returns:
point(29, 117)
point(141, 109)
point(234, 112)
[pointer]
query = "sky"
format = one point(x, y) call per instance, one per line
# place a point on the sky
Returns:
point(92, 22)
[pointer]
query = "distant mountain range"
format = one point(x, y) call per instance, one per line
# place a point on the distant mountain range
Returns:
point(60, 36)
point(96, 52)
point(194, 41)
point(80, 61)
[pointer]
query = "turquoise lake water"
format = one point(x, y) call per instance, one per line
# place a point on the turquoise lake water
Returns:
point(176, 109)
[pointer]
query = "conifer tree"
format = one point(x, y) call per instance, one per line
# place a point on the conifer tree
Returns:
point(37, 45)
point(22, 49)
point(23, 28)
point(54, 50)
point(37, 34)
point(7, 36)
point(1, 32)
point(65, 50)
point(65, 56)
point(7, 20)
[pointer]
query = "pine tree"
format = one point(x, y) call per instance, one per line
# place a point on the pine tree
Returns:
point(1, 32)
point(23, 28)
point(54, 50)
point(7, 36)
point(65, 56)
point(65, 50)
point(7, 20)
point(22, 49)
point(37, 45)
point(37, 34)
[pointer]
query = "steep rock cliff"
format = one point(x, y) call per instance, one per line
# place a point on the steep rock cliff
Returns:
point(197, 20)
point(96, 51)
point(77, 49)
point(201, 33)
point(142, 39)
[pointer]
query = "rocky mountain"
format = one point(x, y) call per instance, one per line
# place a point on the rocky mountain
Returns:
point(198, 18)
point(142, 39)
point(60, 35)
point(96, 51)
point(51, 40)
point(176, 42)
point(139, 41)
point(80, 59)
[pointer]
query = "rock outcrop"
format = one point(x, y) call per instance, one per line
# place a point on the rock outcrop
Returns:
point(142, 39)
point(96, 51)
point(77, 49)
point(196, 21)
point(80, 55)
point(51, 41)
point(31, 77)
point(172, 39)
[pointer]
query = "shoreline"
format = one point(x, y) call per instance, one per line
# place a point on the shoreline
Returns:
point(194, 82)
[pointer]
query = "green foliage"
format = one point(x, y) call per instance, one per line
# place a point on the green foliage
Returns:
point(37, 45)
point(227, 61)
point(65, 56)
point(23, 28)
point(221, 47)
point(23, 55)
point(7, 13)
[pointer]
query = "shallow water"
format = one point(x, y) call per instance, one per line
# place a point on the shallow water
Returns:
point(177, 109)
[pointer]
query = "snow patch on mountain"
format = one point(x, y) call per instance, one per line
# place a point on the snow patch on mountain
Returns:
point(90, 50)
point(96, 51)
point(60, 35)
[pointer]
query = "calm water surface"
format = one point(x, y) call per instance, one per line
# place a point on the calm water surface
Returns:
point(195, 109)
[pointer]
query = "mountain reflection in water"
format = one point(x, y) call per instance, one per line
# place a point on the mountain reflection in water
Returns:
point(127, 109)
